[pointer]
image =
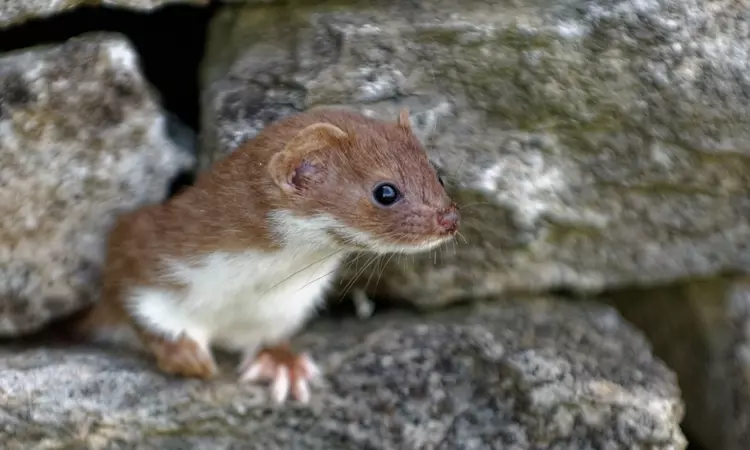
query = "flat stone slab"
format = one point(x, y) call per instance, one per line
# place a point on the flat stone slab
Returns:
point(539, 373)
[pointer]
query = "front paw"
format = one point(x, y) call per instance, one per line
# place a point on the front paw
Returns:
point(183, 357)
point(286, 370)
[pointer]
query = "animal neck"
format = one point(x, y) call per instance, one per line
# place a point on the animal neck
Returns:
point(306, 234)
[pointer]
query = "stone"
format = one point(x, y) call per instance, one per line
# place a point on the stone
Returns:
point(701, 328)
point(15, 12)
point(534, 373)
point(82, 139)
point(590, 144)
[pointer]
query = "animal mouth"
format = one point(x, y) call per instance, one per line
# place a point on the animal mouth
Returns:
point(401, 243)
point(413, 243)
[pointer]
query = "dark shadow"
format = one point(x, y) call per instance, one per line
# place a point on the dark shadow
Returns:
point(170, 42)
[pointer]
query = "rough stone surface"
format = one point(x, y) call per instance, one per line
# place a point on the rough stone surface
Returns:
point(14, 12)
point(81, 139)
point(702, 330)
point(592, 144)
point(529, 374)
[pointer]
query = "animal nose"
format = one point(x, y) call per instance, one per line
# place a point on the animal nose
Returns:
point(448, 219)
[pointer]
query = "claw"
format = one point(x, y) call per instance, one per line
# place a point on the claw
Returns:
point(287, 372)
point(280, 387)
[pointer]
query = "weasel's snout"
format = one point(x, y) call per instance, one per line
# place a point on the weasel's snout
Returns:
point(448, 219)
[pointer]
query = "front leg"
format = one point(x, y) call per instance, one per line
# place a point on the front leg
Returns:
point(182, 356)
point(174, 340)
point(285, 369)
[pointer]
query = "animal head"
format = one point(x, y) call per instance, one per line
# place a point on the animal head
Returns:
point(363, 183)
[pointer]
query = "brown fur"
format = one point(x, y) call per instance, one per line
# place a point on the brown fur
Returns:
point(181, 357)
point(330, 168)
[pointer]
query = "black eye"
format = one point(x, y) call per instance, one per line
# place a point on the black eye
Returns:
point(440, 179)
point(386, 194)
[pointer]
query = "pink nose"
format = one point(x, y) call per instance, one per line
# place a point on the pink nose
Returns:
point(448, 219)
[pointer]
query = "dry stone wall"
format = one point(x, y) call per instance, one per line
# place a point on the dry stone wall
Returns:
point(597, 147)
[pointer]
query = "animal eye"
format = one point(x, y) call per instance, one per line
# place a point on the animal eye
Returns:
point(386, 194)
point(440, 179)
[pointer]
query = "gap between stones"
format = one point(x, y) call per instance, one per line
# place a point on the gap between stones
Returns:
point(170, 42)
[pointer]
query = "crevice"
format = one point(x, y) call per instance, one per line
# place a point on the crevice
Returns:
point(684, 322)
point(181, 181)
point(170, 42)
point(693, 443)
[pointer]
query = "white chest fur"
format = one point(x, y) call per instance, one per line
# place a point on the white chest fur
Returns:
point(239, 300)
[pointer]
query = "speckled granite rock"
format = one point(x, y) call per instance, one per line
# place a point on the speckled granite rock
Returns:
point(593, 143)
point(81, 139)
point(702, 330)
point(513, 375)
point(14, 12)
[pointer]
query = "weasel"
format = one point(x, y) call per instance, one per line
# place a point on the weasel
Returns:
point(240, 259)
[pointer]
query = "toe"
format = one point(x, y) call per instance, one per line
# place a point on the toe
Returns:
point(263, 368)
point(280, 388)
point(287, 372)
point(301, 390)
point(202, 365)
point(308, 367)
point(252, 373)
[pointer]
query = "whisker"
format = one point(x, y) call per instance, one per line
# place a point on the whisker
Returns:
point(460, 207)
point(373, 259)
point(473, 221)
point(355, 261)
point(356, 277)
point(316, 279)
point(399, 241)
point(325, 258)
point(371, 274)
point(382, 270)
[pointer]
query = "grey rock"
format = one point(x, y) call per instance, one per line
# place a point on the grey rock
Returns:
point(82, 138)
point(592, 144)
point(538, 373)
point(701, 328)
point(14, 12)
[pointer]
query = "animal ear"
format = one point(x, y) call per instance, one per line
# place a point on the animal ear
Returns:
point(296, 163)
point(403, 118)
